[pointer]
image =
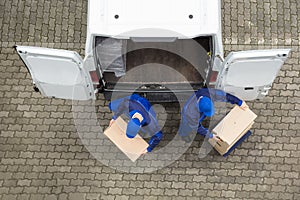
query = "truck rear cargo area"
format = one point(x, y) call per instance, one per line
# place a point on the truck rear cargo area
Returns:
point(127, 62)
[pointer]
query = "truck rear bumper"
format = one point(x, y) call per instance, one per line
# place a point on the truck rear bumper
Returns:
point(154, 93)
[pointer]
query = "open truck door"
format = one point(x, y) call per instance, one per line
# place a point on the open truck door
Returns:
point(57, 73)
point(249, 75)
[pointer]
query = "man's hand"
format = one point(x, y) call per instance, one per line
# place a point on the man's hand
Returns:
point(146, 151)
point(244, 106)
point(111, 122)
point(216, 138)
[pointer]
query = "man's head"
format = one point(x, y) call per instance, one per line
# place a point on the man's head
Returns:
point(206, 106)
point(133, 127)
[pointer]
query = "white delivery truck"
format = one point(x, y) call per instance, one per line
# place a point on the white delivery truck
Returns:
point(124, 35)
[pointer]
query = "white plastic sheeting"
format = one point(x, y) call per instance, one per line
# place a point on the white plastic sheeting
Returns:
point(110, 55)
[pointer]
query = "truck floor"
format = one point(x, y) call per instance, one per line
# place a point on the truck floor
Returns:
point(154, 63)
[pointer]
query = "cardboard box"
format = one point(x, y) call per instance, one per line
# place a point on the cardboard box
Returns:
point(232, 127)
point(132, 148)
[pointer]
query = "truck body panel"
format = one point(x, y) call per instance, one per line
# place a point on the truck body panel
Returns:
point(249, 75)
point(142, 18)
point(57, 73)
point(157, 47)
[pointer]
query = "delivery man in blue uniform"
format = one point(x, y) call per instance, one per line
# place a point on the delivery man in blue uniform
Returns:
point(199, 106)
point(142, 116)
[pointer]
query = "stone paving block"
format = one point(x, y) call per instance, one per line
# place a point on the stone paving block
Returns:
point(41, 157)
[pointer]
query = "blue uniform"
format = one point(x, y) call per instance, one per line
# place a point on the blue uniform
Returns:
point(129, 106)
point(191, 116)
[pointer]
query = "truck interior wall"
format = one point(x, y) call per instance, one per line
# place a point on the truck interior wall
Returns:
point(145, 62)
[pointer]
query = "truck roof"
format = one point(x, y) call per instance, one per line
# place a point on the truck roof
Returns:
point(154, 18)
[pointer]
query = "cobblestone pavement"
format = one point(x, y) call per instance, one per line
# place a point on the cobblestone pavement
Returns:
point(42, 156)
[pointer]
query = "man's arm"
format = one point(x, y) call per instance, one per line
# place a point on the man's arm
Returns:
point(118, 107)
point(154, 140)
point(233, 99)
point(219, 95)
point(204, 131)
point(120, 111)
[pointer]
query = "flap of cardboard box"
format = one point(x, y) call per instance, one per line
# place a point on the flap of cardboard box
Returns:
point(234, 124)
point(221, 146)
point(132, 148)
